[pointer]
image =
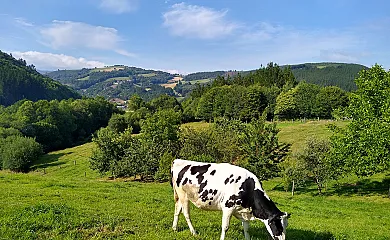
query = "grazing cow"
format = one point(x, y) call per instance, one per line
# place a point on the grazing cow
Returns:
point(222, 186)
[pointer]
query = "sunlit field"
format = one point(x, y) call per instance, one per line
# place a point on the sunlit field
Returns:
point(63, 199)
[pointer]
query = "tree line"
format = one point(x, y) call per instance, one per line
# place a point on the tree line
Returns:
point(271, 89)
point(29, 128)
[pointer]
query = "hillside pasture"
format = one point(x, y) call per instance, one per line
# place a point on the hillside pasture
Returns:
point(108, 69)
point(200, 81)
point(84, 78)
point(62, 198)
point(147, 74)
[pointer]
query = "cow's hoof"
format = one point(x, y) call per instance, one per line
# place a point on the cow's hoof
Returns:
point(174, 229)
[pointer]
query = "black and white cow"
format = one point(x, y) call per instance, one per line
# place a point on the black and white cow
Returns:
point(232, 189)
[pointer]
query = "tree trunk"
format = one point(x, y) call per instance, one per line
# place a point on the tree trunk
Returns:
point(293, 188)
point(318, 186)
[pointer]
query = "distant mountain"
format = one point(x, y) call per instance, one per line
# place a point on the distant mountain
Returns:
point(116, 81)
point(19, 81)
point(328, 74)
point(323, 74)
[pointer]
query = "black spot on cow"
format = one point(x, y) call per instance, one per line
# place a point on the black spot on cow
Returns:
point(231, 201)
point(185, 181)
point(238, 179)
point(215, 192)
point(245, 196)
point(202, 186)
point(190, 181)
point(231, 176)
point(203, 196)
point(231, 181)
point(227, 180)
point(212, 172)
point(209, 203)
point(201, 170)
point(211, 190)
point(181, 174)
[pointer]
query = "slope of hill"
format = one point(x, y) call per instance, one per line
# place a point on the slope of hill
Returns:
point(19, 81)
point(328, 74)
point(116, 81)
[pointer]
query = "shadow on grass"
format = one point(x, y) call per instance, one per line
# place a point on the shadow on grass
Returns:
point(291, 233)
point(308, 235)
point(362, 187)
point(48, 160)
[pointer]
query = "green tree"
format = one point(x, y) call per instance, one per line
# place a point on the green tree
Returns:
point(363, 147)
point(328, 99)
point(17, 153)
point(261, 149)
point(314, 162)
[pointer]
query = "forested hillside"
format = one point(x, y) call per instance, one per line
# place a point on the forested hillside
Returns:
point(328, 74)
point(323, 74)
point(116, 81)
point(19, 81)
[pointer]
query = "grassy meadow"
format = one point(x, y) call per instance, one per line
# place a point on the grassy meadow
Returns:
point(63, 199)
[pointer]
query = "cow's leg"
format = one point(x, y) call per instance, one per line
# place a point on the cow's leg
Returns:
point(178, 207)
point(245, 225)
point(226, 215)
point(186, 212)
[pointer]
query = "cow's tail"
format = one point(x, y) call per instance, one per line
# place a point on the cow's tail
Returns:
point(175, 196)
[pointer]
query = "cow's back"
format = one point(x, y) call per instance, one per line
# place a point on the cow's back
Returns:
point(208, 185)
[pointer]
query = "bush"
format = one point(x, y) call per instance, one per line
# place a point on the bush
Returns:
point(18, 153)
point(164, 167)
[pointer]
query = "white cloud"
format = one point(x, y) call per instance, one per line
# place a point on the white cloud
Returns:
point(125, 53)
point(77, 34)
point(50, 61)
point(119, 6)
point(287, 45)
point(68, 34)
point(23, 22)
point(198, 22)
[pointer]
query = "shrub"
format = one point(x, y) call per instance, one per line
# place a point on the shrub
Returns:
point(164, 167)
point(18, 153)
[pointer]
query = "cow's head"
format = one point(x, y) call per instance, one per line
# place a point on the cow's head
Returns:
point(277, 225)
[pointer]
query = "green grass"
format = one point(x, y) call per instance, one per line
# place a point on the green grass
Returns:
point(63, 199)
point(205, 80)
point(108, 69)
point(117, 79)
point(147, 74)
point(84, 78)
point(297, 132)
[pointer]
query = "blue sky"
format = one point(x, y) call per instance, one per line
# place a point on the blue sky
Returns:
point(191, 36)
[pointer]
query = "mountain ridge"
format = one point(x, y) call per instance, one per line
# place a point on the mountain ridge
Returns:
point(21, 81)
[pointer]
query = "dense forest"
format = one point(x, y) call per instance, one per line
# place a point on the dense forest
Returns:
point(19, 81)
point(328, 74)
point(203, 75)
